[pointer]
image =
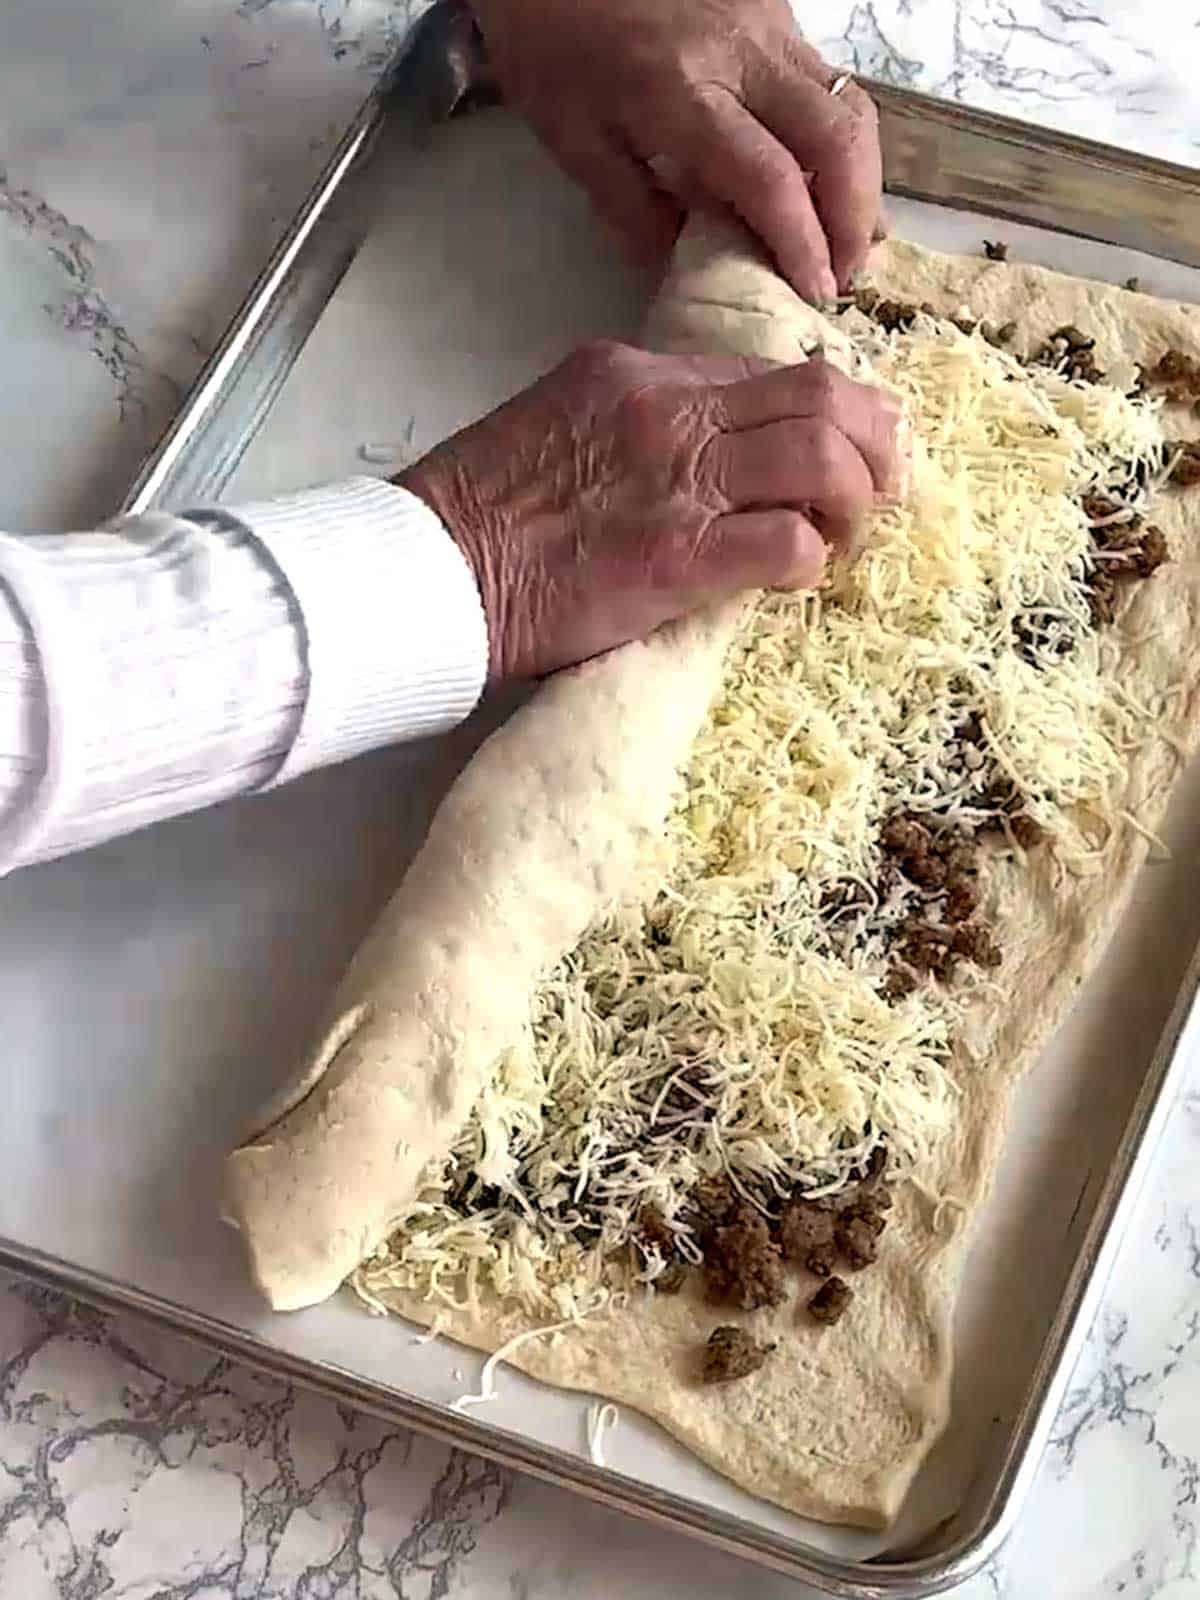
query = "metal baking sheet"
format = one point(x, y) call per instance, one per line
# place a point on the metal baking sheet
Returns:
point(156, 989)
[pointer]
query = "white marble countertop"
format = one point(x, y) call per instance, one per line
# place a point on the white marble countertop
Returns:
point(148, 157)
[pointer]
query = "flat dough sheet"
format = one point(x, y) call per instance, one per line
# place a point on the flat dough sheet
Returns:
point(545, 827)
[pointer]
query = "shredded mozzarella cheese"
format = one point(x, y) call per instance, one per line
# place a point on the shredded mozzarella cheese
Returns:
point(487, 1378)
point(729, 1024)
point(601, 1420)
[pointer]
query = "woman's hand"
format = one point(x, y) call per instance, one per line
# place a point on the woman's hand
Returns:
point(625, 489)
point(728, 92)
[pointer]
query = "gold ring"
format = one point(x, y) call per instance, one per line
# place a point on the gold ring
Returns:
point(840, 82)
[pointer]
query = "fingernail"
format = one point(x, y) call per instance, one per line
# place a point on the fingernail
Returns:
point(827, 286)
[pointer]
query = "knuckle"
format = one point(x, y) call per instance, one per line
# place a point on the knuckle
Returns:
point(868, 398)
point(825, 457)
point(793, 546)
point(851, 142)
point(674, 551)
point(600, 362)
point(865, 112)
point(883, 411)
point(694, 62)
point(644, 417)
point(823, 385)
point(765, 174)
point(887, 420)
point(861, 143)
point(893, 448)
point(712, 474)
point(742, 171)
point(665, 427)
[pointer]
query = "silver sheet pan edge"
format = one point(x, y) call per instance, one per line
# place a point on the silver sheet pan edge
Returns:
point(936, 151)
point(881, 1577)
point(929, 1569)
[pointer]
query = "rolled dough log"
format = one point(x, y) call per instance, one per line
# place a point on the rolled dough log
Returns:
point(543, 829)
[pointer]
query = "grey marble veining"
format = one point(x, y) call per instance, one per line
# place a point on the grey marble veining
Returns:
point(135, 1464)
point(149, 155)
point(1107, 70)
point(80, 308)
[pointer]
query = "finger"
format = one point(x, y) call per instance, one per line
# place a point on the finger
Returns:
point(809, 59)
point(848, 188)
point(868, 417)
point(745, 167)
point(837, 139)
point(608, 368)
point(718, 371)
point(621, 188)
point(761, 550)
point(804, 464)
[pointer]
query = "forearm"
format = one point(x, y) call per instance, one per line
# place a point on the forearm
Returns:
point(167, 663)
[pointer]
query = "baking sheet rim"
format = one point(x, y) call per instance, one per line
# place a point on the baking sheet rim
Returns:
point(884, 1574)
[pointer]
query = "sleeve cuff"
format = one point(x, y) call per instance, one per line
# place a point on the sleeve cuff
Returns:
point(394, 635)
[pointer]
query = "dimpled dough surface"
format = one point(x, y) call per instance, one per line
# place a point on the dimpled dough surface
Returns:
point(545, 827)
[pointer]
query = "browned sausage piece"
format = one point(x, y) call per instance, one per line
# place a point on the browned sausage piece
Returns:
point(806, 1231)
point(857, 1233)
point(829, 1303)
point(743, 1266)
point(731, 1353)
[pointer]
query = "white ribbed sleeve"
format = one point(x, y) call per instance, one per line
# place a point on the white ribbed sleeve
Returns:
point(167, 662)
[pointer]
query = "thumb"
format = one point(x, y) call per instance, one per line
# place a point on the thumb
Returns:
point(777, 549)
point(621, 188)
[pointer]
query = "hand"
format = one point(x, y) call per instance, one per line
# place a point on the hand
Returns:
point(624, 489)
point(728, 92)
